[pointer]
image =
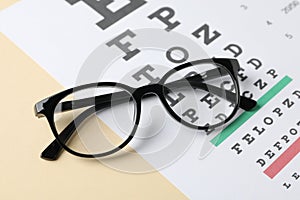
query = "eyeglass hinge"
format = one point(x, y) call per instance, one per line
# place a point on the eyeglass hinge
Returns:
point(39, 107)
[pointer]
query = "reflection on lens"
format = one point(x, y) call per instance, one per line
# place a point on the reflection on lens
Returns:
point(84, 115)
point(202, 95)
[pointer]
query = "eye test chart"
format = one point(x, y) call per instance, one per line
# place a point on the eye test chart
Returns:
point(256, 156)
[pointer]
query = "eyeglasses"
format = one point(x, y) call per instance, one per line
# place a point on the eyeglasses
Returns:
point(202, 94)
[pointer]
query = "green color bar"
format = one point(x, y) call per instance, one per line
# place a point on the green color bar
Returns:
point(247, 115)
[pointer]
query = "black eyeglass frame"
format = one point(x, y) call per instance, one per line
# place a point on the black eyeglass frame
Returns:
point(47, 106)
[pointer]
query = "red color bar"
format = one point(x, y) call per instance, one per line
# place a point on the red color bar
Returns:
point(283, 159)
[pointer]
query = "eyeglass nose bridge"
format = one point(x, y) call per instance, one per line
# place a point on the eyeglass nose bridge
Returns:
point(152, 89)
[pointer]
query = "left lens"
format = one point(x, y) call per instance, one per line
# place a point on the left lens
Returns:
point(202, 94)
point(85, 113)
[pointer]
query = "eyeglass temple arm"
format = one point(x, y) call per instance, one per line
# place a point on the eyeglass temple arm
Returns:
point(245, 103)
point(53, 151)
point(81, 103)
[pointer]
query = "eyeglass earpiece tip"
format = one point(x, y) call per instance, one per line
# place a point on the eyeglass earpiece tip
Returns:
point(251, 104)
point(44, 157)
point(52, 152)
point(247, 104)
point(49, 157)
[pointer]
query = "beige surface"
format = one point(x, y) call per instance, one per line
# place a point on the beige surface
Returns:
point(6, 3)
point(23, 175)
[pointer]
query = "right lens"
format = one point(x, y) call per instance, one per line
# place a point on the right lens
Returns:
point(202, 94)
point(83, 115)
